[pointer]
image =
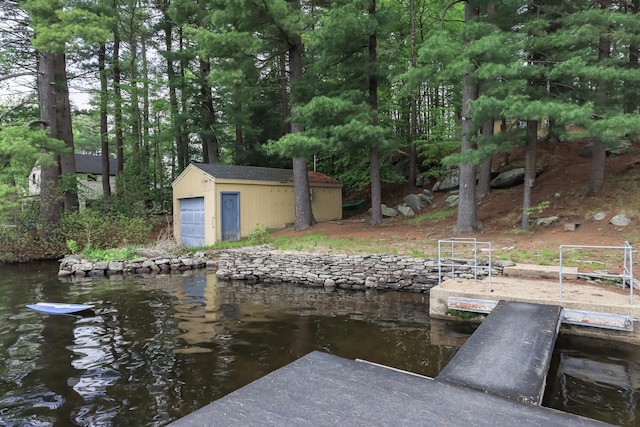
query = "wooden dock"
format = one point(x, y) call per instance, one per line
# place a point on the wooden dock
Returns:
point(497, 378)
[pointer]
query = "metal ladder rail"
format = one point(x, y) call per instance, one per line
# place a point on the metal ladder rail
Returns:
point(627, 269)
point(474, 266)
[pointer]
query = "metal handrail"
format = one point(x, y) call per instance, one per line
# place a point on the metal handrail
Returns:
point(627, 269)
point(474, 261)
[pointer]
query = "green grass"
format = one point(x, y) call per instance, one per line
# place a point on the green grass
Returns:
point(422, 248)
point(314, 241)
point(464, 314)
point(547, 257)
point(584, 259)
point(434, 216)
point(119, 254)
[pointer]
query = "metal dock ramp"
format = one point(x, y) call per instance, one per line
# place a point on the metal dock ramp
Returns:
point(510, 352)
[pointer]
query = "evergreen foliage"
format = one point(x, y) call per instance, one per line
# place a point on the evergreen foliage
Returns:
point(21, 149)
point(212, 81)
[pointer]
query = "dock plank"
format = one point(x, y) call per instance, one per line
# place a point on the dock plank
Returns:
point(510, 352)
point(320, 389)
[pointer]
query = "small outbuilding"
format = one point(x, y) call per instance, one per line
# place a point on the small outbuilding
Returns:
point(214, 202)
point(88, 175)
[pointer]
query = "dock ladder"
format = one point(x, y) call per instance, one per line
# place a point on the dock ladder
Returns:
point(463, 254)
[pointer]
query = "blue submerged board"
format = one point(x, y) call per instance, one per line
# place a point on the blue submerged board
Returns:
point(59, 307)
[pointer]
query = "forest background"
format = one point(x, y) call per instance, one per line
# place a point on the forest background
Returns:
point(366, 91)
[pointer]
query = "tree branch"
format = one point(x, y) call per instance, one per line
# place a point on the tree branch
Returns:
point(16, 75)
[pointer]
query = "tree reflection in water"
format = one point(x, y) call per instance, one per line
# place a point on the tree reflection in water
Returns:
point(160, 347)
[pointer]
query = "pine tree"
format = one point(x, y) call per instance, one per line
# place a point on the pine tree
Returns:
point(339, 116)
point(467, 217)
point(58, 25)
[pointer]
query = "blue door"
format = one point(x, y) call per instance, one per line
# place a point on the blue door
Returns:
point(230, 216)
point(192, 222)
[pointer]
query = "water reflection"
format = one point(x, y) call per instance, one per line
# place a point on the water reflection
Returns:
point(197, 309)
point(600, 380)
point(157, 348)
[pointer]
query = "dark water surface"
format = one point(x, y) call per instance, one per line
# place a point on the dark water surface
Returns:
point(156, 349)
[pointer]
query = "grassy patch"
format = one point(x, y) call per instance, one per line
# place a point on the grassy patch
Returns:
point(115, 254)
point(547, 256)
point(434, 216)
point(517, 231)
point(465, 315)
point(417, 253)
point(313, 241)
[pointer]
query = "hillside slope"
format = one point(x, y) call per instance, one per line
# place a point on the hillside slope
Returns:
point(562, 185)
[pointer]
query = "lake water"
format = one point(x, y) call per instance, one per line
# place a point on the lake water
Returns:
point(158, 348)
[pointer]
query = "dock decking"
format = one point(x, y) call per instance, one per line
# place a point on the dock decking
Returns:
point(510, 352)
point(504, 366)
point(598, 300)
point(324, 390)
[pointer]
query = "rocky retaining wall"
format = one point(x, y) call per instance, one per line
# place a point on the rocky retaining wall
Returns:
point(263, 264)
point(375, 271)
point(73, 265)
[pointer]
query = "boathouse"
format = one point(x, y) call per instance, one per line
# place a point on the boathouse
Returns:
point(214, 202)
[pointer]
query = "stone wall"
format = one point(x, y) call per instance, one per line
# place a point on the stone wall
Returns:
point(266, 265)
point(360, 271)
point(73, 265)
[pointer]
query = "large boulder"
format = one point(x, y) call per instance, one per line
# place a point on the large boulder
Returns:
point(447, 183)
point(387, 212)
point(599, 216)
point(620, 220)
point(546, 222)
point(406, 211)
point(419, 201)
point(451, 201)
point(422, 180)
point(616, 149)
point(511, 178)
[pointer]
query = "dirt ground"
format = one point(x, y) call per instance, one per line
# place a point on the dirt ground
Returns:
point(562, 184)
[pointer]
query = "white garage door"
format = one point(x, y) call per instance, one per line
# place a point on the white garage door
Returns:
point(192, 222)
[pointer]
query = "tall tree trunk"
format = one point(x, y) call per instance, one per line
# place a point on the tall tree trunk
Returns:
point(552, 133)
point(184, 147)
point(237, 110)
point(117, 113)
point(65, 133)
point(173, 97)
point(484, 171)
point(374, 160)
point(208, 116)
point(104, 131)
point(631, 101)
point(467, 221)
point(145, 96)
point(413, 104)
point(531, 147)
point(136, 120)
point(597, 173)
point(51, 204)
point(284, 96)
point(158, 172)
point(529, 170)
point(303, 215)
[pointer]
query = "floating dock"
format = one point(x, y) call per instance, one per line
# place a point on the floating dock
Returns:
point(588, 309)
point(497, 378)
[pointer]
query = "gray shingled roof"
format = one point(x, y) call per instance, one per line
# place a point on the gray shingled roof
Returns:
point(253, 173)
point(92, 164)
